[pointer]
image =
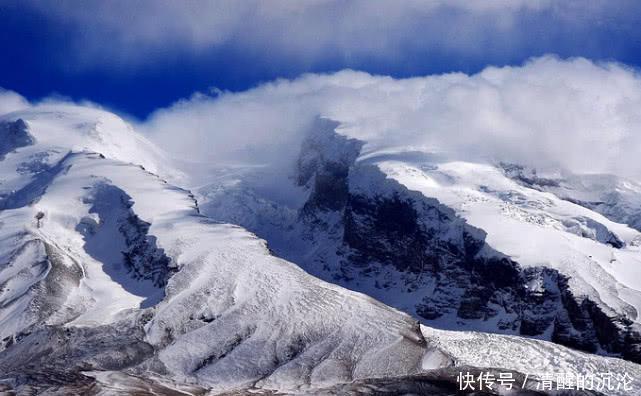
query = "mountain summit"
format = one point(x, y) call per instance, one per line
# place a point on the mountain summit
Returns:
point(114, 280)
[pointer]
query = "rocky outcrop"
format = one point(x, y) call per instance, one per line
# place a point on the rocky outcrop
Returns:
point(386, 229)
point(53, 357)
point(323, 166)
point(142, 258)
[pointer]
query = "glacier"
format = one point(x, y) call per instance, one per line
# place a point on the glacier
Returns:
point(122, 272)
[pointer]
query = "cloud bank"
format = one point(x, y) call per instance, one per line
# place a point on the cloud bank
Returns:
point(549, 113)
point(11, 101)
point(345, 32)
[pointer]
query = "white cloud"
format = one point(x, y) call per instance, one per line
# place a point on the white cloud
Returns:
point(129, 32)
point(549, 113)
point(572, 114)
point(11, 101)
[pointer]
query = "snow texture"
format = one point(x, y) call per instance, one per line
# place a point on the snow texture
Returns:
point(112, 279)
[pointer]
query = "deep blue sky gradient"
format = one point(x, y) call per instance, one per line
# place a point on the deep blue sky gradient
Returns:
point(34, 61)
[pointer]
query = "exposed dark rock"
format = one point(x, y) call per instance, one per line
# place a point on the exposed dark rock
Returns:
point(54, 357)
point(142, 256)
point(325, 171)
point(386, 231)
point(527, 176)
point(417, 235)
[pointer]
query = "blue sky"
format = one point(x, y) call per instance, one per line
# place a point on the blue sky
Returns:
point(138, 56)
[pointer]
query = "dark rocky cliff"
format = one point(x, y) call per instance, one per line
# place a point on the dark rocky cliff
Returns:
point(391, 227)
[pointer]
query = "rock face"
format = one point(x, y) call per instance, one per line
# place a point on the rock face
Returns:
point(393, 232)
point(365, 231)
point(143, 259)
point(113, 281)
point(106, 267)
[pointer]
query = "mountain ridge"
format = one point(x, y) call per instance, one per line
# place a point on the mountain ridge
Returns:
point(113, 278)
point(367, 224)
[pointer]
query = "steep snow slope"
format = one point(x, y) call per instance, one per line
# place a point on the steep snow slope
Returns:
point(91, 242)
point(535, 357)
point(602, 258)
point(107, 269)
point(617, 198)
point(456, 244)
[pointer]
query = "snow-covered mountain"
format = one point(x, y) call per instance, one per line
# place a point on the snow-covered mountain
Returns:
point(458, 245)
point(113, 280)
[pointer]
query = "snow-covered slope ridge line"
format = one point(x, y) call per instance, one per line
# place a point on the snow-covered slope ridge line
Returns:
point(456, 244)
point(112, 281)
point(116, 269)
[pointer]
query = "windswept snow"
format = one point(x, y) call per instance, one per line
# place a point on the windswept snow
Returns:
point(231, 315)
point(533, 227)
point(107, 268)
point(401, 225)
point(539, 359)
